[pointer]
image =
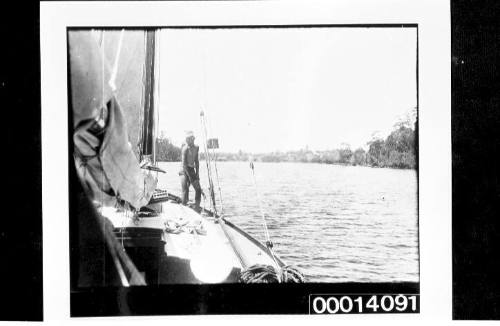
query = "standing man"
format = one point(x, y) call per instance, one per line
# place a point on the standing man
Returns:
point(190, 170)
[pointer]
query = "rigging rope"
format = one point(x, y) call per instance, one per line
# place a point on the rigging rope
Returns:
point(218, 183)
point(103, 104)
point(264, 223)
point(208, 162)
point(269, 243)
point(267, 274)
point(213, 158)
point(204, 123)
point(256, 273)
point(103, 176)
point(112, 79)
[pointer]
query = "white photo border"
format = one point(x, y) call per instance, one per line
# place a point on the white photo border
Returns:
point(433, 20)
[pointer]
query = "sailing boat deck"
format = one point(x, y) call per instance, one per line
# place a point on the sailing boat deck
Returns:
point(191, 248)
point(165, 241)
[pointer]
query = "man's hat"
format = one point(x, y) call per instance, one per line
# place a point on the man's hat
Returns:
point(189, 133)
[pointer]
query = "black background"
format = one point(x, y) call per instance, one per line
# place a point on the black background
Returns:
point(221, 299)
point(475, 142)
point(476, 164)
point(21, 180)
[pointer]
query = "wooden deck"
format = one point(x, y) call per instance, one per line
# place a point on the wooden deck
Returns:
point(180, 246)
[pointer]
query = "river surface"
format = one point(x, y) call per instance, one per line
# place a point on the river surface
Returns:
point(335, 223)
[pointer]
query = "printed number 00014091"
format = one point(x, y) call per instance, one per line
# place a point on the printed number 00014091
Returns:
point(332, 304)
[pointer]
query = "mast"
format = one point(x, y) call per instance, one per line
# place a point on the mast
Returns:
point(148, 128)
point(156, 93)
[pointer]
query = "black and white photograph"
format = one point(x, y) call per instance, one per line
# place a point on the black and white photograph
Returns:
point(240, 168)
point(245, 155)
point(209, 161)
point(248, 155)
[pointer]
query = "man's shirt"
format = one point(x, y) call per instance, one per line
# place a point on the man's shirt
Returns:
point(189, 155)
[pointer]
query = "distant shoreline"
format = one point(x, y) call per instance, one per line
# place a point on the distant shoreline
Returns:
point(322, 163)
point(399, 150)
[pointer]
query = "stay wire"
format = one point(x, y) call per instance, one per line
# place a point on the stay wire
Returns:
point(269, 243)
point(214, 159)
point(208, 162)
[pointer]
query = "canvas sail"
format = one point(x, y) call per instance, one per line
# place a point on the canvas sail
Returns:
point(107, 106)
point(130, 57)
point(110, 84)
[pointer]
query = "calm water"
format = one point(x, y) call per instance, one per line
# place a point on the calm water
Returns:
point(336, 223)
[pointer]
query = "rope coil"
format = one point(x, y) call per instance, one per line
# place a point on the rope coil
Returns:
point(268, 274)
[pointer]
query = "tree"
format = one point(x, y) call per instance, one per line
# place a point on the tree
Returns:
point(345, 153)
point(359, 157)
point(166, 151)
point(399, 149)
point(401, 140)
point(376, 151)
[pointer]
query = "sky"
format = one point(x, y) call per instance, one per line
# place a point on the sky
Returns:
point(279, 89)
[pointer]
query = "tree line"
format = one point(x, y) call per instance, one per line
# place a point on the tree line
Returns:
point(166, 151)
point(397, 150)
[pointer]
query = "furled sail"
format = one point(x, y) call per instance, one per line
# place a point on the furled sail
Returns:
point(107, 71)
point(107, 106)
point(130, 56)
